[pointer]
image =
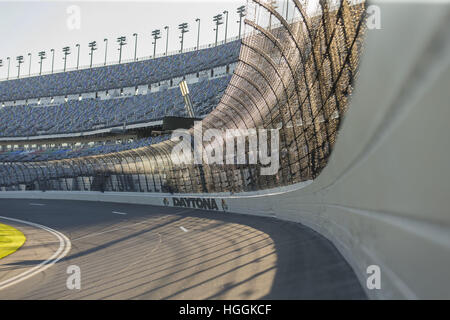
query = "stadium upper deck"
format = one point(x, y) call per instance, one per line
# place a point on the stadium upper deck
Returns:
point(88, 114)
point(119, 75)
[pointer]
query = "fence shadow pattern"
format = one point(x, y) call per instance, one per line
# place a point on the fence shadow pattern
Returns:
point(295, 73)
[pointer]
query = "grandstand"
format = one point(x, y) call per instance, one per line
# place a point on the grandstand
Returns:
point(132, 98)
point(108, 108)
point(130, 74)
point(90, 114)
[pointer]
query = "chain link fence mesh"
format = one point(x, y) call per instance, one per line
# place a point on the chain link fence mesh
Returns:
point(295, 74)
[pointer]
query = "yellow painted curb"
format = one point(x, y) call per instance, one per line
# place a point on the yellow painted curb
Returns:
point(11, 239)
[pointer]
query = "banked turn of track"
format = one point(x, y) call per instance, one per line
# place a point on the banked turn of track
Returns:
point(128, 251)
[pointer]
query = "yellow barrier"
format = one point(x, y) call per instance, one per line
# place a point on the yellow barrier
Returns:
point(11, 239)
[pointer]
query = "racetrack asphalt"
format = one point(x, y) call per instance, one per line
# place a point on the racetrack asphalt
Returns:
point(128, 251)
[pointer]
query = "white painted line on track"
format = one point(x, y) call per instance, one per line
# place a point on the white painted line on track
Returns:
point(64, 248)
point(36, 204)
point(184, 229)
point(122, 213)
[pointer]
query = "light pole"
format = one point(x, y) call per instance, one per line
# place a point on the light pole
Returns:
point(9, 62)
point(19, 61)
point(93, 46)
point(287, 9)
point(121, 41)
point(1, 63)
point(29, 67)
point(198, 32)
point(241, 12)
point(183, 28)
point(218, 20)
point(41, 57)
point(106, 49)
point(135, 35)
point(156, 35)
point(226, 24)
point(167, 38)
point(53, 58)
point(66, 51)
point(78, 55)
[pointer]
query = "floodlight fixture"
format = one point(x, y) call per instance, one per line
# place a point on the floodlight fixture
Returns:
point(218, 20)
point(19, 61)
point(42, 56)
point(156, 34)
point(183, 27)
point(93, 46)
point(66, 52)
point(121, 41)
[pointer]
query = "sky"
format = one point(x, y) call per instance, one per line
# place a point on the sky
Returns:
point(33, 26)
